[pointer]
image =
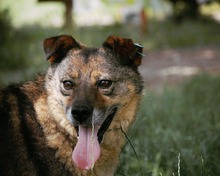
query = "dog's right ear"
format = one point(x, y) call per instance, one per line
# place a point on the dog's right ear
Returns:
point(56, 48)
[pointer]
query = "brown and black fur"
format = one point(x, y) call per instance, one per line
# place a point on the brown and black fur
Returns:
point(37, 135)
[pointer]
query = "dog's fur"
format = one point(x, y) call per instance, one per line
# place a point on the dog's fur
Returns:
point(37, 133)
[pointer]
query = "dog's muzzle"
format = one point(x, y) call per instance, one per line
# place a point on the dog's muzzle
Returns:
point(82, 115)
point(90, 132)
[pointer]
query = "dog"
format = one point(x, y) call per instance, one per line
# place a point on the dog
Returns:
point(68, 121)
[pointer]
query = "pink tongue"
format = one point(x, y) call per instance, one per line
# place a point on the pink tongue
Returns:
point(87, 149)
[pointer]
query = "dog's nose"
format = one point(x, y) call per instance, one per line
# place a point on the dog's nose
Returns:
point(81, 112)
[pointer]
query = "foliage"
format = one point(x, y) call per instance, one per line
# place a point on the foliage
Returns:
point(184, 9)
point(16, 45)
point(182, 122)
point(5, 24)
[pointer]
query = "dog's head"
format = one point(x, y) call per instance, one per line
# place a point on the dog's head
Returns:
point(93, 87)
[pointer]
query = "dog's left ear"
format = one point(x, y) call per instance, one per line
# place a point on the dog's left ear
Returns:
point(56, 48)
point(128, 52)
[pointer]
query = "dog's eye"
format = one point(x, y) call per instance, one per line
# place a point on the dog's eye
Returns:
point(104, 84)
point(67, 85)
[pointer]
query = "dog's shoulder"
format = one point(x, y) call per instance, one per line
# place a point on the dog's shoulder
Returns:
point(31, 89)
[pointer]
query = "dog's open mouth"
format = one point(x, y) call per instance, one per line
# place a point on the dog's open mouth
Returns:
point(87, 150)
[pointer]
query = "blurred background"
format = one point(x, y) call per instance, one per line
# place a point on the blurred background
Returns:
point(177, 131)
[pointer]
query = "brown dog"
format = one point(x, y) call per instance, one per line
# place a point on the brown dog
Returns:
point(68, 121)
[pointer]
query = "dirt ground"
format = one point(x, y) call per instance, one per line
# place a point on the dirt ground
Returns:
point(172, 66)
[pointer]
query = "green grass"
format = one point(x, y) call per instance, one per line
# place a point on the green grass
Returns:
point(181, 122)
